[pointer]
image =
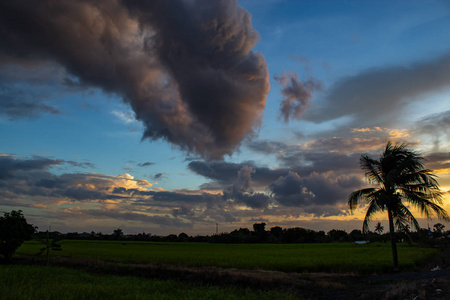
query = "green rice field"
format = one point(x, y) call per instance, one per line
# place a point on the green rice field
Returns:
point(40, 282)
point(331, 257)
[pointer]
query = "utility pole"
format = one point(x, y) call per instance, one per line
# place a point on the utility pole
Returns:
point(217, 228)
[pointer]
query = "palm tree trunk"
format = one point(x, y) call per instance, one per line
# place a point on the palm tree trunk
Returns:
point(393, 241)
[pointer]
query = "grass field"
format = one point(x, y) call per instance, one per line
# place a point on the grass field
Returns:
point(39, 282)
point(334, 257)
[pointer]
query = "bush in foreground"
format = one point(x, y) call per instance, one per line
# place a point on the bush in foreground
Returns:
point(14, 230)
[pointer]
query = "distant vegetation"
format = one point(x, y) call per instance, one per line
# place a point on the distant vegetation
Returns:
point(275, 235)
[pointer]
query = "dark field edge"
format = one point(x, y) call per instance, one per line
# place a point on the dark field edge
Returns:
point(418, 285)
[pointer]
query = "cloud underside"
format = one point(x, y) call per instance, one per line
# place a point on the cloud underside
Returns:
point(185, 67)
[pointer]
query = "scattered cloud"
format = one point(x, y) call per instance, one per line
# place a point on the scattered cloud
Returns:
point(158, 176)
point(296, 95)
point(145, 164)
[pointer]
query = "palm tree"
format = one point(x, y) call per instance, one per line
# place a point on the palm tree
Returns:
point(399, 178)
point(379, 228)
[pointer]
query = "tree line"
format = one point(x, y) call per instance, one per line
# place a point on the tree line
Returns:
point(259, 234)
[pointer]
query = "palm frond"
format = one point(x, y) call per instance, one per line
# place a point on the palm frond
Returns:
point(425, 177)
point(357, 196)
point(426, 203)
point(402, 215)
point(371, 169)
point(373, 208)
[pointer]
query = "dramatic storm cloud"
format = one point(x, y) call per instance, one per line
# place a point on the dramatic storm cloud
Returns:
point(296, 95)
point(185, 67)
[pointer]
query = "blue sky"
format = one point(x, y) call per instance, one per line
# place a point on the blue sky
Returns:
point(206, 92)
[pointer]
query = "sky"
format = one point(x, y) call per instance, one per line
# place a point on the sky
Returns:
point(173, 116)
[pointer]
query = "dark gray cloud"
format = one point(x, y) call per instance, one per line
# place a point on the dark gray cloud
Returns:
point(342, 145)
point(313, 190)
point(145, 164)
point(185, 67)
point(131, 216)
point(311, 181)
point(165, 196)
point(33, 177)
point(19, 104)
point(289, 190)
point(25, 91)
point(238, 193)
point(438, 160)
point(158, 176)
point(84, 165)
point(241, 191)
point(71, 187)
point(182, 211)
point(266, 146)
point(377, 96)
point(296, 95)
point(332, 154)
point(10, 166)
point(291, 158)
point(168, 196)
point(82, 194)
point(225, 173)
point(320, 162)
point(30, 183)
point(436, 126)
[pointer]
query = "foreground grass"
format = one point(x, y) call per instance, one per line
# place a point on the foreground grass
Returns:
point(39, 282)
point(334, 257)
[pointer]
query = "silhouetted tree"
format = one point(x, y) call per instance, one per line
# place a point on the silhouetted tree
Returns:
point(356, 235)
point(183, 237)
point(438, 229)
point(117, 234)
point(14, 230)
point(379, 228)
point(241, 235)
point(336, 235)
point(399, 176)
point(259, 227)
point(260, 232)
point(275, 234)
point(172, 238)
point(404, 230)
